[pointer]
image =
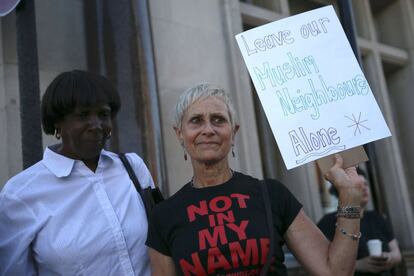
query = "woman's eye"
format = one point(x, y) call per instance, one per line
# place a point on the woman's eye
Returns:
point(219, 120)
point(195, 120)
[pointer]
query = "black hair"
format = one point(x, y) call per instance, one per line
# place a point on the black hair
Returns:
point(73, 89)
point(333, 191)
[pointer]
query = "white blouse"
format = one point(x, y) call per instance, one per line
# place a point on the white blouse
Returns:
point(60, 218)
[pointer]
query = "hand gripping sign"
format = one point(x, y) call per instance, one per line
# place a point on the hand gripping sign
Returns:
point(315, 96)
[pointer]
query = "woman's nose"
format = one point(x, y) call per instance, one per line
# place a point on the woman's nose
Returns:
point(95, 122)
point(208, 128)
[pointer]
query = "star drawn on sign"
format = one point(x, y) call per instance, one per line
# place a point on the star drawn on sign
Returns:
point(357, 123)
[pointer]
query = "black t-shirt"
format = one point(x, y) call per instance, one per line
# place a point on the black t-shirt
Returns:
point(373, 226)
point(222, 230)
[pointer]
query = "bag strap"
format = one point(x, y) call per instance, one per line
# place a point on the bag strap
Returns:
point(269, 220)
point(131, 172)
point(135, 180)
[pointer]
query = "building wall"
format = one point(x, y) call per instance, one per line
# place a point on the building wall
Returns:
point(191, 45)
point(10, 145)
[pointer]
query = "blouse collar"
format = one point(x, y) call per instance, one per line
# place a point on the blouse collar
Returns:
point(60, 165)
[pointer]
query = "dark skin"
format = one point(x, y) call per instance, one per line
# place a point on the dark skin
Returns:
point(84, 132)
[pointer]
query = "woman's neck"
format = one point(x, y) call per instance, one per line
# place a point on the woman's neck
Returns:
point(92, 163)
point(210, 175)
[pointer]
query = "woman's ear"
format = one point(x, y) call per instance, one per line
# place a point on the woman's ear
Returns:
point(178, 134)
point(57, 126)
point(236, 128)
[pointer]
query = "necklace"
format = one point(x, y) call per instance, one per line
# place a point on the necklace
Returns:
point(193, 185)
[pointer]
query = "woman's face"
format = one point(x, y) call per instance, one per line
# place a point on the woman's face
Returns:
point(84, 131)
point(206, 131)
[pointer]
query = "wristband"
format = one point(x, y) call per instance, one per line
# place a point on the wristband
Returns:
point(351, 212)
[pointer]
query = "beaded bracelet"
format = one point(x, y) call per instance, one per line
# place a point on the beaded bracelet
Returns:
point(344, 232)
point(351, 212)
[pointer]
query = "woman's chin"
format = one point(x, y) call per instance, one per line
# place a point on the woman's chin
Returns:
point(91, 153)
point(210, 160)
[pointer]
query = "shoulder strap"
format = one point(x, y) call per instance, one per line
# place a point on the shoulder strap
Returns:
point(269, 219)
point(150, 196)
point(131, 172)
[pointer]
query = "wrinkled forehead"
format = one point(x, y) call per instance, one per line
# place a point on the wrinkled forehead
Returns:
point(209, 104)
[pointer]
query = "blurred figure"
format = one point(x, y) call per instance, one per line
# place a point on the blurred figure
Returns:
point(373, 226)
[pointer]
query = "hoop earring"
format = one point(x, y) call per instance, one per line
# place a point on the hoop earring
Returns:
point(232, 152)
point(57, 134)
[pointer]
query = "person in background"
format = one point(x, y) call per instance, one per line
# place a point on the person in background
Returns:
point(373, 226)
point(76, 212)
point(216, 223)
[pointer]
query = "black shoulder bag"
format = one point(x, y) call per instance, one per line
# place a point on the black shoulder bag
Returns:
point(269, 220)
point(150, 196)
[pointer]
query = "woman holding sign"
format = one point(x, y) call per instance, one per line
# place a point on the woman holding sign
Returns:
point(219, 222)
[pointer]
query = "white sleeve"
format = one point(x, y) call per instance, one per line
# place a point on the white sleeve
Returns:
point(141, 170)
point(18, 226)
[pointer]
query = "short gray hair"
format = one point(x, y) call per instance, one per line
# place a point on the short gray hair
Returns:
point(202, 91)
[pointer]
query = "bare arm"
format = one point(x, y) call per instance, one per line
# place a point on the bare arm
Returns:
point(161, 265)
point(309, 245)
point(316, 253)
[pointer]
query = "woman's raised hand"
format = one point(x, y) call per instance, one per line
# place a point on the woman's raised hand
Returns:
point(347, 182)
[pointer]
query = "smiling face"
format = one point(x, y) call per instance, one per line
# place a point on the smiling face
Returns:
point(206, 132)
point(84, 132)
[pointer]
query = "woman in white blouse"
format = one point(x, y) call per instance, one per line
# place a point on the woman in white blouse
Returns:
point(75, 212)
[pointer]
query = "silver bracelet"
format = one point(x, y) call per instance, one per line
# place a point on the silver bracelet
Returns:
point(351, 212)
point(355, 237)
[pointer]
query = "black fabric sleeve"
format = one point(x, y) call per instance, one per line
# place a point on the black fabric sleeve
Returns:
point(284, 204)
point(156, 238)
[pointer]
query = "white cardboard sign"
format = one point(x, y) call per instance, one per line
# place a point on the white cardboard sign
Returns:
point(314, 94)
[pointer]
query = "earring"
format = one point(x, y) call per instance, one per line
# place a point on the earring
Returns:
point(232, 152)
point(185, 153)
point(57, 134)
